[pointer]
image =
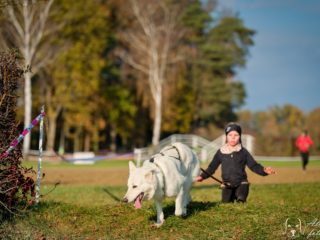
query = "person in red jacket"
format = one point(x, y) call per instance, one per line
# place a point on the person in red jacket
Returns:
point(303, 143)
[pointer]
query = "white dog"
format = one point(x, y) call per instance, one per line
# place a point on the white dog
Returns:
point(169, 173)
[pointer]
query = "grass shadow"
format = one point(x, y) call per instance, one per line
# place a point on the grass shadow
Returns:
point(196, 206)
point(193, 208)
point(11, 217)
point(211, 186)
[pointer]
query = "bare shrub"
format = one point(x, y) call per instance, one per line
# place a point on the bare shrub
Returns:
point(17, 188)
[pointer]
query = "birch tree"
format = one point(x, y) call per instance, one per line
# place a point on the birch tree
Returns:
point(153, 47)
point(25, 28)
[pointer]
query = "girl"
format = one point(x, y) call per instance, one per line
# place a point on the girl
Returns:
point(233, 158)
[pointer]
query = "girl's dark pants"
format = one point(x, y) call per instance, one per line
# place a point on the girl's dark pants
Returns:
point(305, 159)
point(235, 193)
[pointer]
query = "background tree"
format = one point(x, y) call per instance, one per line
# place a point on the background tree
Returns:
point(178, 113)
point(180, 96)
point(82, 90)
point(71, 83)
point(275, 129)
point(24, 29)
point(152, 42)
point(290, 120)
point(311, 124)
point(199, 89)
point(223, 49)
point(120, 113)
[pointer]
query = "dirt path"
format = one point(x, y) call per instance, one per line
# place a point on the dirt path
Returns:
point(92, 176)
point(119, 176)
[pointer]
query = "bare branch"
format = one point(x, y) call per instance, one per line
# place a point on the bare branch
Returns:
point(15, 22)
point(42, 21)
point(136, 65)
point(145, 24)
point(137, 43)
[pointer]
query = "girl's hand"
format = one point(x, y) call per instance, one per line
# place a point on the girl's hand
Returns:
point(269, 170)
point(198, 179)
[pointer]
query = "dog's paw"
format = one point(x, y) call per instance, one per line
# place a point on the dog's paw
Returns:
point(157, 225)
point(181, 212)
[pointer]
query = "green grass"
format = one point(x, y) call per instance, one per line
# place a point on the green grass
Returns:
point(95, 212)
point(86, 212)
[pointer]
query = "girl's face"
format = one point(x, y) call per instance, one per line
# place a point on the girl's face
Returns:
point(233, 138)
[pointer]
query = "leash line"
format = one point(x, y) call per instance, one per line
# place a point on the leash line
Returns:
point(216, 179)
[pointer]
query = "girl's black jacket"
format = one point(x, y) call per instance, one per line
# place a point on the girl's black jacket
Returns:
point(233, 166)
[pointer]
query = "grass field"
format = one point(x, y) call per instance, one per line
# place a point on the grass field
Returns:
point(85, 205)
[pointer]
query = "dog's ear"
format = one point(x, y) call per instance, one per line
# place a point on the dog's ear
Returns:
point(149, 175)
point(131, 166)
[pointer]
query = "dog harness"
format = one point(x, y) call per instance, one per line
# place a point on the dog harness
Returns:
point(162, 153)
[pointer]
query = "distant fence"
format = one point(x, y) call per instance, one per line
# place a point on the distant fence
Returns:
point(206, 149)
point(202, 147)
point(193, 141)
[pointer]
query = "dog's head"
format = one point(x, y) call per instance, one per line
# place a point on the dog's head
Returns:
point(141, 184)
point(293, 227)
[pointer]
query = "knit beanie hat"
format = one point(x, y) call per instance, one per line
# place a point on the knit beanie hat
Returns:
point(232, 127)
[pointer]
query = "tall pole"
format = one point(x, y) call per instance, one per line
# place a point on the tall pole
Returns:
point(39, 175)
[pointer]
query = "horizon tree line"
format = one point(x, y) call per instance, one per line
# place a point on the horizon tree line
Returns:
point(121, 74)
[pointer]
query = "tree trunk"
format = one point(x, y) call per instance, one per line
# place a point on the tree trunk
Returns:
point(51, 133)
point(27, 111)
point(52, 116)
point(62, 140)
point(96, 141)
point(87, 141)
point(113, 135)
point(77, 142)
point(157, 120)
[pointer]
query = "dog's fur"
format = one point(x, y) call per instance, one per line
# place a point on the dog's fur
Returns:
point(169, 173)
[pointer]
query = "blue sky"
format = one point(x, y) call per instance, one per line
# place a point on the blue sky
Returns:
point(284, 65)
